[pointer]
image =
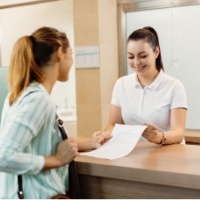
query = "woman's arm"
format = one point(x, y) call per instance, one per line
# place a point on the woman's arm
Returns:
point(174, 135)
point(99, 137)
point(177, 123)
point(66, 152)
point(18, 132)
point(114, 118)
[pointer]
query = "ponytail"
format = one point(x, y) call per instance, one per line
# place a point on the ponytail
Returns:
point(159, 63)
point(30, 55)
point(21, 68)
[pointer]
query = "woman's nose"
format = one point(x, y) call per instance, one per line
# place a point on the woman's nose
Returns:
point(136, 62)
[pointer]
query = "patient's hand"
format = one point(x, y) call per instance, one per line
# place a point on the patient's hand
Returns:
point(101, 137)
point(98, 139)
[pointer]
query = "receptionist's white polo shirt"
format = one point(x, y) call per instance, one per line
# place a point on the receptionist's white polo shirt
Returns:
point(151, 104)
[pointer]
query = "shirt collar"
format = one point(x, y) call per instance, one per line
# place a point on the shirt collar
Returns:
point(154, 85)
point(136, 81)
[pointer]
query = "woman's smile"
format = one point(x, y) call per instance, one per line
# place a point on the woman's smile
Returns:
point(140, 69)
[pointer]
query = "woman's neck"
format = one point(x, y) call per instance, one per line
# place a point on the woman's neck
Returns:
point(51, 74)
point(148, 78)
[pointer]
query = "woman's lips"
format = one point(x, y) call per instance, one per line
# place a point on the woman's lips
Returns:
point(139, 68)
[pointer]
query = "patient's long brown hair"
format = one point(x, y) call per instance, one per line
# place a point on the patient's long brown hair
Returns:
point(30, 54)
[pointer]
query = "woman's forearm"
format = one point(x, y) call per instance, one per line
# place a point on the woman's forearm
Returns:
point(175, 136)
point(51, 162)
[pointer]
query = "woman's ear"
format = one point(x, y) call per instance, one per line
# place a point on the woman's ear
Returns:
point(157, 51)
point(59, 53)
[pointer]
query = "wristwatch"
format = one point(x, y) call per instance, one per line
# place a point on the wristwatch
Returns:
point(163, 138)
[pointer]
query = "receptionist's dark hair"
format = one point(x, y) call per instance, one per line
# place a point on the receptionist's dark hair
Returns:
point(150, 36)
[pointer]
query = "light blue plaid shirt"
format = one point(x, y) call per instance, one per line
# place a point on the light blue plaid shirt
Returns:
point(28, 133)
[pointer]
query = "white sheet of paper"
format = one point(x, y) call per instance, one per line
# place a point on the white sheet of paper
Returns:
point(123, 141)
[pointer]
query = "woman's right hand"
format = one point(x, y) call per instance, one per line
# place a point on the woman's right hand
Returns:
point(100, 137)
point(67, 150)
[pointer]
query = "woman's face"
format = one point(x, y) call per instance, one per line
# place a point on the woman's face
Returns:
point(141, 57)
point(66, 62)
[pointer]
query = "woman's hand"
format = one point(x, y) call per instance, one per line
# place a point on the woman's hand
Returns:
point(67, 150)
point(152, 134)
point(98, 138)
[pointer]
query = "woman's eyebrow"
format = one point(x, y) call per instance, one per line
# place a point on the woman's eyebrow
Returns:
point(138, 53)
point(129, 53)
point(142, 52)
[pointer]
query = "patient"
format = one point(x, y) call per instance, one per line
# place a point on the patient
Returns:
point(30, 141)
point(148, 96)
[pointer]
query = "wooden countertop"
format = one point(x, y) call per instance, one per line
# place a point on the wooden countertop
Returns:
point(192, 136)
point(173, 165)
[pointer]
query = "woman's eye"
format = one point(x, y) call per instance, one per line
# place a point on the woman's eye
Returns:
point(144, 56)
point(131, 57)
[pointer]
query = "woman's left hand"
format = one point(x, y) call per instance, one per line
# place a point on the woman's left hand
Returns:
point(152, 134)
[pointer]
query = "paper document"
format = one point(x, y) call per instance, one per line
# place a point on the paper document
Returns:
point(123, 141)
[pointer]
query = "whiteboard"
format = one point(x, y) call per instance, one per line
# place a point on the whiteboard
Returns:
point(178, 29)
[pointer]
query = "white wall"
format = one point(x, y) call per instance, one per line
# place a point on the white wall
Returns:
point(179, 34)
point(23, 20)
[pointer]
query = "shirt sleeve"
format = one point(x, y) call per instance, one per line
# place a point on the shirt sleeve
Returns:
point(179, 98)
point(16, 134)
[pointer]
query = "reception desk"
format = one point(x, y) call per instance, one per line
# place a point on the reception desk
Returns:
point(192, 137)
point(149, 171)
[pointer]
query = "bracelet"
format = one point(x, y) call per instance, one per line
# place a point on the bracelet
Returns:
point(163, 139)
